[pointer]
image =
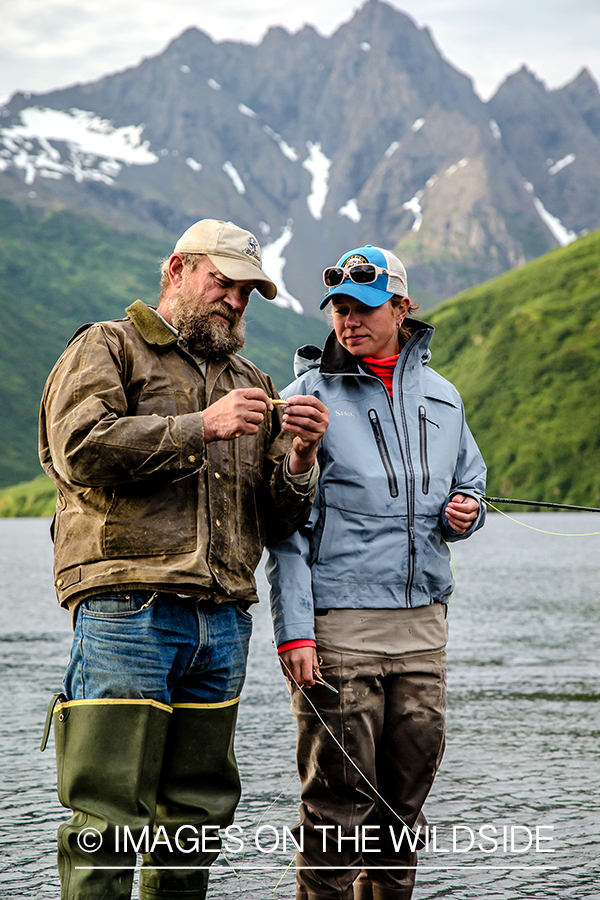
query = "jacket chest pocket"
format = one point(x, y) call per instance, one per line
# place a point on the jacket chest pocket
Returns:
point(439, 428)
point(424, 425)
point(384, 452)
point(250, 448)
point(166, 403)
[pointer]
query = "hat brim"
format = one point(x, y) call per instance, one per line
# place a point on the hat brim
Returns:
point(365, 293)
point(238, 270)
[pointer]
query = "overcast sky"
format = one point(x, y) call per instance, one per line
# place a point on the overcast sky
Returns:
point(45, 44)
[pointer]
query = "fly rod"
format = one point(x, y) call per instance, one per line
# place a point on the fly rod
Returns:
point(541, 503)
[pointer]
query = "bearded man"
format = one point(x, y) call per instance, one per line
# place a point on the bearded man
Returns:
point(173, 466)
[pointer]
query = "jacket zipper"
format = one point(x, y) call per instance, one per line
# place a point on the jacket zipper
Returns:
point(423, 448)
point(383, 452)
point(410, 486)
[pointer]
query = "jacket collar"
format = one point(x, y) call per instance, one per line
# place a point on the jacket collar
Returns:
point(336, 360)
point(150, 325)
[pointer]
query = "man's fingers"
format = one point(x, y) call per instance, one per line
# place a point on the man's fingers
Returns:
point(250, 394)
point(238, 412)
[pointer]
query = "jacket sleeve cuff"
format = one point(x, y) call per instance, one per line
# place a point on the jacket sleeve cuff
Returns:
point(193, 448)
point(304, 482)
point(292, 645)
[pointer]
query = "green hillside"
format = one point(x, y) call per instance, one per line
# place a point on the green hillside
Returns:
point(58, 271)
point(33, 498)
point(524, 351)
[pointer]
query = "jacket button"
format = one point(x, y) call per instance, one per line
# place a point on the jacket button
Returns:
point(215, 570)
point(192, 459)
point(217, 476)
point(218, 523)
point(59, 582)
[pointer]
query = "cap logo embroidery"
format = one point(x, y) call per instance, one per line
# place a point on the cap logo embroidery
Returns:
point(252, 249)
point(355, 260)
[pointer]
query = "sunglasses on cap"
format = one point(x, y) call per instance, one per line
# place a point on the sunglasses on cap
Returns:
point(360, 273)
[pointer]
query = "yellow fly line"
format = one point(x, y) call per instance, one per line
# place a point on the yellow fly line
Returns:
point(540, 530)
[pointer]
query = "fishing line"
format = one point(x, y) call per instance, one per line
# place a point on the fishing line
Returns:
point(348, 757)
point(255, 822)
point(540, 530)
point(287, 868)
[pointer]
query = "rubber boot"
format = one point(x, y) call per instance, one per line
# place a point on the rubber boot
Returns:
point(362, 887)
point(109, 756)
point(365, 889)
point(199, 786)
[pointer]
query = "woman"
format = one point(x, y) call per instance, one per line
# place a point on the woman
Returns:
point(359, 596)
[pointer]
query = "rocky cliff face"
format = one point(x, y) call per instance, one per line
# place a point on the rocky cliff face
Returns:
point(554, 139)
point(318, 145)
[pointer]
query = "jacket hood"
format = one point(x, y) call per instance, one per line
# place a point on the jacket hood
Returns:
point(305, 358)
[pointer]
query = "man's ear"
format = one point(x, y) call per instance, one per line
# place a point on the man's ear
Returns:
point(175, 269)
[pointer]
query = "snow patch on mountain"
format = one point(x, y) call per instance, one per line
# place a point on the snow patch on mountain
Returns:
point(552, 223)
point(567, 160)
point(351, 210)
point(459, 165)
point(285, 148)
point(318, 165)
point(233, 173)
point(414, 205)
point(273, 263)
point(495, 129)
point(52, 143)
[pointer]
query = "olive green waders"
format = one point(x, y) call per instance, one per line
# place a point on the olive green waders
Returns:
point(126, 767)
point(199, 787)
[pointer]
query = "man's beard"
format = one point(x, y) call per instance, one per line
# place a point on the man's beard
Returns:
point(205, 334)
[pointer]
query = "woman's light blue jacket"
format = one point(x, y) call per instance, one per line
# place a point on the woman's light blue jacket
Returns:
point(377, 534)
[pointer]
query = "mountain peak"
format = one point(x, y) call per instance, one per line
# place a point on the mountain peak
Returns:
point(375, 17)
point(584, 95)
point(585, 77)
point(523, 79)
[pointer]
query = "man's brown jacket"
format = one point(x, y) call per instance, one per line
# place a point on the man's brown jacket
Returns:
point(142, 500)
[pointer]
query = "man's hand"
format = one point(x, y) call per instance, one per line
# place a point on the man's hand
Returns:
point(239, 412)
point(307, 419)
point(461, 512)
point(300, 665)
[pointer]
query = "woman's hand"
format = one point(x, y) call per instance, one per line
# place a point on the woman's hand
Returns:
point(307, 419)
point(461, 512)
point(300, 666)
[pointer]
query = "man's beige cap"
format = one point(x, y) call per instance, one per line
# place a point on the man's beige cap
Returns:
point(235, 252)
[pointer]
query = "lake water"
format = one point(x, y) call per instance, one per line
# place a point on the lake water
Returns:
point(523, 753)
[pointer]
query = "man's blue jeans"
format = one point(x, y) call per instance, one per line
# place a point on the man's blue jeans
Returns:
point(156, 646)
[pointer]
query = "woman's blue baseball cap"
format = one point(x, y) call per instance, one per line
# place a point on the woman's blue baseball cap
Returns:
point(383, 288)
